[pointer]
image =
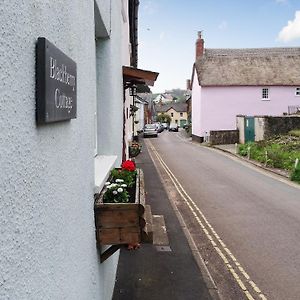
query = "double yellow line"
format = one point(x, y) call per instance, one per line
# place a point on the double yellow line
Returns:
point(237, 271)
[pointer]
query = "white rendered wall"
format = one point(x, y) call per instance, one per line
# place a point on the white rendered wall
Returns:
point(259, 128)
point(112, 54)
point(47, 240)
point(240, 125)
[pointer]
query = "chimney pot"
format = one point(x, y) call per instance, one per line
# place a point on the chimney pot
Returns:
point(199, 45)
point(188, 84)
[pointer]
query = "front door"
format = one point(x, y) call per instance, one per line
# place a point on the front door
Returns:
point(249, 129)
point(182, 123)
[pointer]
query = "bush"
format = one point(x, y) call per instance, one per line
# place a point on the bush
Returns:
point(277, 154)
point(134, 149)
point(243, 149)
point(295, 132)
point(295, 176)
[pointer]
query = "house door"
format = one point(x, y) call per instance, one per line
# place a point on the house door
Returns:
point(182, 123)
point(249, 129)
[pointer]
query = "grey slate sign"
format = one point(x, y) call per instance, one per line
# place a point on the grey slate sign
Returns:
point(56, 84)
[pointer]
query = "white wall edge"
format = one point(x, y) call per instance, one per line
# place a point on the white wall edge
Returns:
point(103, 165)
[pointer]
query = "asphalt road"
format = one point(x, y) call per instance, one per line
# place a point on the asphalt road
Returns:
point(252, 217)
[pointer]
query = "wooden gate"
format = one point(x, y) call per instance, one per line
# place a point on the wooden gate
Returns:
point(249, 129)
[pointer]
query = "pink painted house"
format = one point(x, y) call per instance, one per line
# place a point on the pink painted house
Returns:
point(230, 82)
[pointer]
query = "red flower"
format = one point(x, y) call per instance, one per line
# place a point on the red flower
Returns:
point(128, 165)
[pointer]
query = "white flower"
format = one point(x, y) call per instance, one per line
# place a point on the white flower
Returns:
point(123, 185)
point(119, 180)
point(107, 183)
point(120, 190)
point(113, 185)
point(115, 192)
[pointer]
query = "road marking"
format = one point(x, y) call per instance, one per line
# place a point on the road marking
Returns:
point(195, 209)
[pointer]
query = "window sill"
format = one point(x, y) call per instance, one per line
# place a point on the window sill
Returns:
point(103, 165)
point(265, 99)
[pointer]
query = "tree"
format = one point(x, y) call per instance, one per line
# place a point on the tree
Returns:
point(164, 118)
point(143, 88)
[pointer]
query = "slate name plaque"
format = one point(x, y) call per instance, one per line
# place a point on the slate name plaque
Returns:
point(56, 84)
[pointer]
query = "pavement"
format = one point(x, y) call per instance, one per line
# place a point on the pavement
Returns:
point(160, 272)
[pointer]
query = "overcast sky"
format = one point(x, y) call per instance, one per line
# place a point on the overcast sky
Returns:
point(168, 31)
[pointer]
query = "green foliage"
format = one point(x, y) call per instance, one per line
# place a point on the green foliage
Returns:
point(128, 176)
point(177, 94)
point(116, 192)
point(143, 88)
point(281, 152)
point(295, 176)
point(188, 129)
point(243, 150)
point(134, 149)
point(164, 118)
point(295, 132)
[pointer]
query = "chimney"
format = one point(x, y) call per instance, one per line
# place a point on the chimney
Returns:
point(188, 84)
point(199, 45)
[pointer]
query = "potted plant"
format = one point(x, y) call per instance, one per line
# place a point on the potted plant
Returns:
point(134, 149)
point(119, 208)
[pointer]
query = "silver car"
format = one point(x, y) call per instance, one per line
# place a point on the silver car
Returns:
point(150, 130)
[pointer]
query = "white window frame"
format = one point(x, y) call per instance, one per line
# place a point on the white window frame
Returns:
point(263, 94)
point(297, 91)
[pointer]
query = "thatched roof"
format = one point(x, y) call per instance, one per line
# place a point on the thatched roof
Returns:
point(179, 107)
point(261, 66)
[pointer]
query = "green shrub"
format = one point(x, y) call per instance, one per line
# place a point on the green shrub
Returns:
point(128, 176)
point(295, 176)
point(243, 150)
point(282, 151)
point(295, 132)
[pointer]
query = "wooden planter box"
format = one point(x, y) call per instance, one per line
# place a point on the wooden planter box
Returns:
point(121, 223)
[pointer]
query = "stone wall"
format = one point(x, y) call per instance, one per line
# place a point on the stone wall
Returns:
point(280, 125)
point(197, 138)
point(222, 137)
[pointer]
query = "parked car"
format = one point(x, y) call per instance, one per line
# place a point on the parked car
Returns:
point(173, 127)
point(159, 127)
point(166, 126)
point(150, 130)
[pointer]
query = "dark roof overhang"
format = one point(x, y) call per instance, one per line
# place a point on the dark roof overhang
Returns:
point(133, 76)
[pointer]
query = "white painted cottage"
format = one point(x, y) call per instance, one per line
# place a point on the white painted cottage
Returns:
point(50, 172)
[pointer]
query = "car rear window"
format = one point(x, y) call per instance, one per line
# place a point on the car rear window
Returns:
point(150, 126)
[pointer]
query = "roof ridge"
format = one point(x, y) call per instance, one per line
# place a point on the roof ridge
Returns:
point(251, 51)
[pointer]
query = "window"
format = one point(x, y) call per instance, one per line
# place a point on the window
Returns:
point(265, 94)
point(181, 114)
point(172, 115)
point(297, 91)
